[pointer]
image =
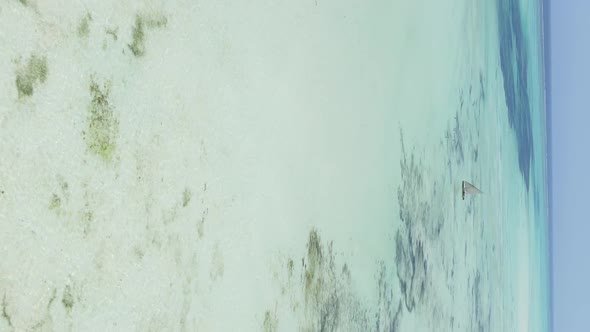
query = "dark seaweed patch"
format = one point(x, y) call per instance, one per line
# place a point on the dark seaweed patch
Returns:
point(476, 298)
point(388, 314)
point(458, 141)
point(424, 217)
point(482, 87)
point(411, 270)
point(422, 222)
point(346, 271)
point(409, 255)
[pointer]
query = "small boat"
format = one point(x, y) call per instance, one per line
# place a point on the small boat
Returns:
point(468, 188)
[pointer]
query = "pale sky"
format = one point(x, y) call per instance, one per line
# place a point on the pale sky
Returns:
point(570, 52)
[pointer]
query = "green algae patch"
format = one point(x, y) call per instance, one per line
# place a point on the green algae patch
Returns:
point(186, 197)
point(270, 323)
point(68, 298)
point(138, 252)
point(201, 223)
point(326, 299)
point(137, 45)
point(54, 202)
point(31, 75)
point(60, 196)
point(290, 267)
point(86, 218)
point(5, 314)
point(103, 126)
point(113, 32)
point(155, 21)
point(313, 272)
point(138, 32)
point(84, 26)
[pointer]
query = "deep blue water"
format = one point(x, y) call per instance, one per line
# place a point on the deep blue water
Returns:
point(513, 61)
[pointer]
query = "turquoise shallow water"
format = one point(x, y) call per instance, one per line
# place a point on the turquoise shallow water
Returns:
point(530, 99)
point(272, 166)
point(496, 139)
